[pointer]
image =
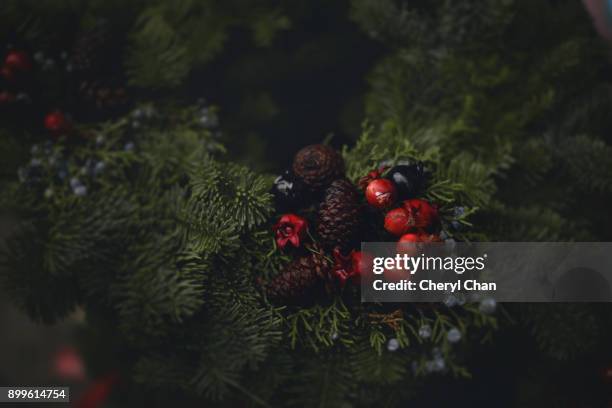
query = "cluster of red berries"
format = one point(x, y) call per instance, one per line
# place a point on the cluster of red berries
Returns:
point(411, 219)
point(16, 66)
point(414, 219)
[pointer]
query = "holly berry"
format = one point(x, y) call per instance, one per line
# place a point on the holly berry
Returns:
point(6, 97)
point(371, 176)
point(96, 394)
point(397, 221)
point(289, 191)
point(7, 73)
point(395, 274)
point(422, 214)
point(68, 364)
point(18, 61)
point(381, 193)
point(409, 179)
point(410, 243)
point(413, 237)
point(57, 123)
point(415, 214)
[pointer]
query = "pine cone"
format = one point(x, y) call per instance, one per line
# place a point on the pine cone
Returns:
point(339, 215)
point(301, 280)
point(318, 165)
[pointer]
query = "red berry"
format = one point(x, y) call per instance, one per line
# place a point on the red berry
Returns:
point(381, 193)
point(407, 244)
point(419, 237)
point(18, 61)
point(57, 123)
point(373, 175)
point(395, 274)
point(6, 97)
point(362, 263)
point(358, 261)
point(7, 73)
point(397, 221)
point(69, 365)
point(410, 237)
point(422, 214)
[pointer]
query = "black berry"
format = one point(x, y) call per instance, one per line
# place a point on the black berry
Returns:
point(409, 179)
point(289, 191)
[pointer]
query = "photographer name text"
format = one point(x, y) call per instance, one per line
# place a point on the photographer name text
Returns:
point(429, 285)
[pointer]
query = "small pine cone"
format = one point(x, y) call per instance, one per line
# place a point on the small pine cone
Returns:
point(339, 215)
point(318, 165)
point(301, 280)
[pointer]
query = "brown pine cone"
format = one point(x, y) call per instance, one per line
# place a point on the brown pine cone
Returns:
point(318, 165)
point(339, 215)
point(301, 280)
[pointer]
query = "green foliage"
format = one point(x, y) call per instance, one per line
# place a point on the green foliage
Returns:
point(170, 243)
point(512, 94)
point(157, 58)
point(563, 331)
point(319, 325)
point(374, 368)
point(239, 336)
point(505, 102)
point(166, 41)
point(163, 240)
point(458, 180)
point(44, 296)
point(169, 40)
point(326, 382)
point(503, 90)
point(244, 194)
point(594, 175)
